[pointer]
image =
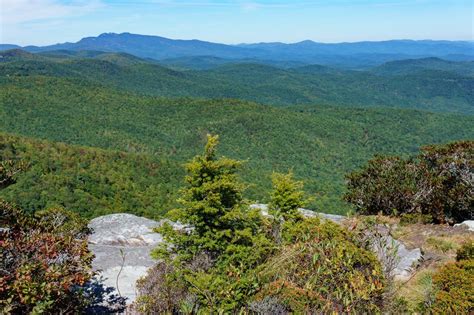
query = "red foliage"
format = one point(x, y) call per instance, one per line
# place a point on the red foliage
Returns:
point(41, 270)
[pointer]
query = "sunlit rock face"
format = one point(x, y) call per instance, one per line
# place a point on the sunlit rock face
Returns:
point(122, 243)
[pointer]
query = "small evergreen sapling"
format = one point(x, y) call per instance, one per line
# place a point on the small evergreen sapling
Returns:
point(286, 198)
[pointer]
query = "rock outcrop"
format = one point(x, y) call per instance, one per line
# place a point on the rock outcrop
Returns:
point(469, 224)
point(305, 212)
point(122, 244)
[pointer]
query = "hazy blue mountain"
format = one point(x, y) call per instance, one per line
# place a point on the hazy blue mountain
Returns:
point(8, 46)
point(146, 46)
point(391, 47)
point(348, 55)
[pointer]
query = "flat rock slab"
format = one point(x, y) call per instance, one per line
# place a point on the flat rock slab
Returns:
point(122, 243)
point(305, 212)
point(123, 229)
point(408, 259)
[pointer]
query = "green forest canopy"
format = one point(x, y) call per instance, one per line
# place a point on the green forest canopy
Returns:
point(434, 86)
point(320, 144)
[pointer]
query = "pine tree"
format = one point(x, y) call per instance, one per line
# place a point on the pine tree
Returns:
point(286, 198)
point(214, 258)
point(221, 223)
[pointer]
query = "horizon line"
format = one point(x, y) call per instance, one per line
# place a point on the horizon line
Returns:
point(249, 43)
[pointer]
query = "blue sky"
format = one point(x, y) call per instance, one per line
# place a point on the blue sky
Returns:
point(41, 22)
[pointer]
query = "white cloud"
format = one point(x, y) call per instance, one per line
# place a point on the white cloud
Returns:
point(14, 12)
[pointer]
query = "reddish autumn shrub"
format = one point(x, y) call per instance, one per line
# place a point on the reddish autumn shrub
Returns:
point(41, 271)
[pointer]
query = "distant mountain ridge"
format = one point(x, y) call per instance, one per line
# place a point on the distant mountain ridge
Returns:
point(349, 55)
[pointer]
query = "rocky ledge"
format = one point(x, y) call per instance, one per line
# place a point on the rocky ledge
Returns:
point(122, 244)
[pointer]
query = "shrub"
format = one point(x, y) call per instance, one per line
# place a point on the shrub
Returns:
point(41, 271)
point(437, 183)
point(386, 184)
point(286, 197)
point(61, 222)
point(454, 289)
point(222, 224)
point(465, 252)
point(160, 291)
point(224, 260)
point(449, 173)
point(222, 228)
point(453, 284)
point(321, 269)
point(413, 218)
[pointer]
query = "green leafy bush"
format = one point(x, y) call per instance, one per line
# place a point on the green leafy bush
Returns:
point(437, 183)
point(453, 284)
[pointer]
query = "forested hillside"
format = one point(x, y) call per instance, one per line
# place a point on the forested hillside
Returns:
point(441, 87)
point(89, 181)
point(410, 66)
point(320, 143)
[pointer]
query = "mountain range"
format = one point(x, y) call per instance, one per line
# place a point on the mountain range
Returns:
point(348, 55)
point(429, 84)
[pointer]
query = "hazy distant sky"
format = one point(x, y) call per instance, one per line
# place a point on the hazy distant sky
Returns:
point(41, 22)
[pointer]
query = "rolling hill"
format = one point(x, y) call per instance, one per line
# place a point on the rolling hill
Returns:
point(411, 66)
point(320, 143)
point(432, 89)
